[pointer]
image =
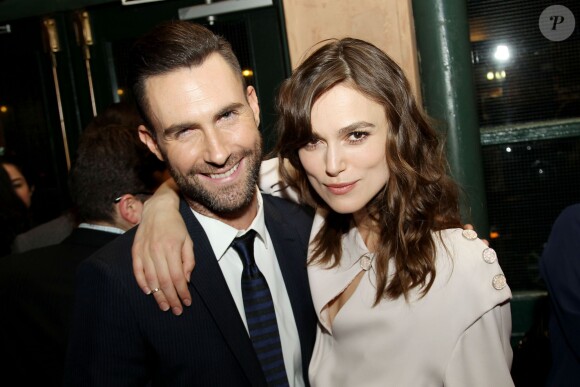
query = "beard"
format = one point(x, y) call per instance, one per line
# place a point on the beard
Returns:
point(225, 201)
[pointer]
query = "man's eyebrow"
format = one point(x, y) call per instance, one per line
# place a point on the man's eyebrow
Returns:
point(194, 125)
point(179, 127)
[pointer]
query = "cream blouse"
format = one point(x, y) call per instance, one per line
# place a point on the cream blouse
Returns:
point(456, 335)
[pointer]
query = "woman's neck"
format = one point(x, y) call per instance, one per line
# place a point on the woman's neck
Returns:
point(367, 228)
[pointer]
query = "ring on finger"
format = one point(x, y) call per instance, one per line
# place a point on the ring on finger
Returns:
point(155, 290)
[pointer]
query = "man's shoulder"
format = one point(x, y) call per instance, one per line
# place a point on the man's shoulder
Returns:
point(570, 216)
point(46, 234)
point(288, 209)
point(50, 263)
point(117, 252)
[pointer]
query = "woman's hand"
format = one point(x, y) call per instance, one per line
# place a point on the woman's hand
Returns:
point(163, 251)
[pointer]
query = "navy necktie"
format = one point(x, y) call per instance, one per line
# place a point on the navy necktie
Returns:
point(260, 313)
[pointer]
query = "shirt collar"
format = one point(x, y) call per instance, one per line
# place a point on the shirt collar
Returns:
point(111, 229)
point(221, 235)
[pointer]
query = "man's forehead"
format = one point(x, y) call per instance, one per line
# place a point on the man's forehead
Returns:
point(188, 95)
point(213, 76)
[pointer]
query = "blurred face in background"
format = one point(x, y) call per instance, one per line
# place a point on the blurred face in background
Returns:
point(19, 183)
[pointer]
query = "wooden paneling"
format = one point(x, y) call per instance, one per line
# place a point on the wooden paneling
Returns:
point(388, 24)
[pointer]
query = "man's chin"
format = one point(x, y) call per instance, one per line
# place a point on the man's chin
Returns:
point(225, 203)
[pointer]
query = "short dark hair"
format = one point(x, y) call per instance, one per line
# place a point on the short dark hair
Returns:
point(111, 161)
point(169, 46)
point(120, 113)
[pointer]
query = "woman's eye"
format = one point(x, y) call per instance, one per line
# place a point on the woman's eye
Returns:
point(312, 143)
point(357, 136)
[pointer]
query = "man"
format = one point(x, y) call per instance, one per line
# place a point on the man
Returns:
point(203, 122)
point(560, 269)
point(108, 183)
point(56, 230)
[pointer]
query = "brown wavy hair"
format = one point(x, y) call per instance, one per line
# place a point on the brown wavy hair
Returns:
point(419, 198)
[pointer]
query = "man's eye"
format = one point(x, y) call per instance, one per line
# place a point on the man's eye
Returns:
point(183, 132)
point(228, 114)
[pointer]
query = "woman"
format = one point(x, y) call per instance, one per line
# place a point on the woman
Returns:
point(20, 184)
point(406, 298)
point(14, 214)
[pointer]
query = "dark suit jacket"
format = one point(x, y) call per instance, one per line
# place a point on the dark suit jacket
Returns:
point(45, 234)
point(121, 338)
point(560, 269)
point(36, 301)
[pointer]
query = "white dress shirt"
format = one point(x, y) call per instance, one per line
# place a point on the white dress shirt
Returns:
point(221, 236)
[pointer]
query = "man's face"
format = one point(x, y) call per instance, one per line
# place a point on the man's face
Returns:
point(207, 132)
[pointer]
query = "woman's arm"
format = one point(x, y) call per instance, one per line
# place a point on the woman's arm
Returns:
point(483, 356)
point(163, 251)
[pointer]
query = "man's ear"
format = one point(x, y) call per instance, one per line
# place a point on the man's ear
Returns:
point(147, 139)
point(252, 97)
point(130, 209)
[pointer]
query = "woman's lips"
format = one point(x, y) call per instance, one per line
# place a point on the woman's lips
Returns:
point(341, 189)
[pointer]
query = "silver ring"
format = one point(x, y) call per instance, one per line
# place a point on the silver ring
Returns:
point(155, 290)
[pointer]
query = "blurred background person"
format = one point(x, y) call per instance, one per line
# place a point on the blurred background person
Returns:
point(560, 269)
point(109, 180)
point(20, 184)
point(56, 230)
point(24, 177)
point(13, 213)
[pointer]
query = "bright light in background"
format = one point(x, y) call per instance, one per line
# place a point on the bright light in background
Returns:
point(247, 73)
point(497, 75)
point(120, 91)
point(502, 53)
point(508, 149)
point(3, 109)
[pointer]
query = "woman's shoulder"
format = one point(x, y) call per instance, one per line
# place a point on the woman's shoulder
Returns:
point(458, 240)
point(466, 262)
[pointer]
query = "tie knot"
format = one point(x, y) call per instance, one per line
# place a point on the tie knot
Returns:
point(244, 246)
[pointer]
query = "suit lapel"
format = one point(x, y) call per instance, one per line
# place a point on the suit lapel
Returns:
point(208, 281)
point(291, 254)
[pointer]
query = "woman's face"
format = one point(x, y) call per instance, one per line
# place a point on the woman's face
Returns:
point(346, 160)
point(19, 183)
